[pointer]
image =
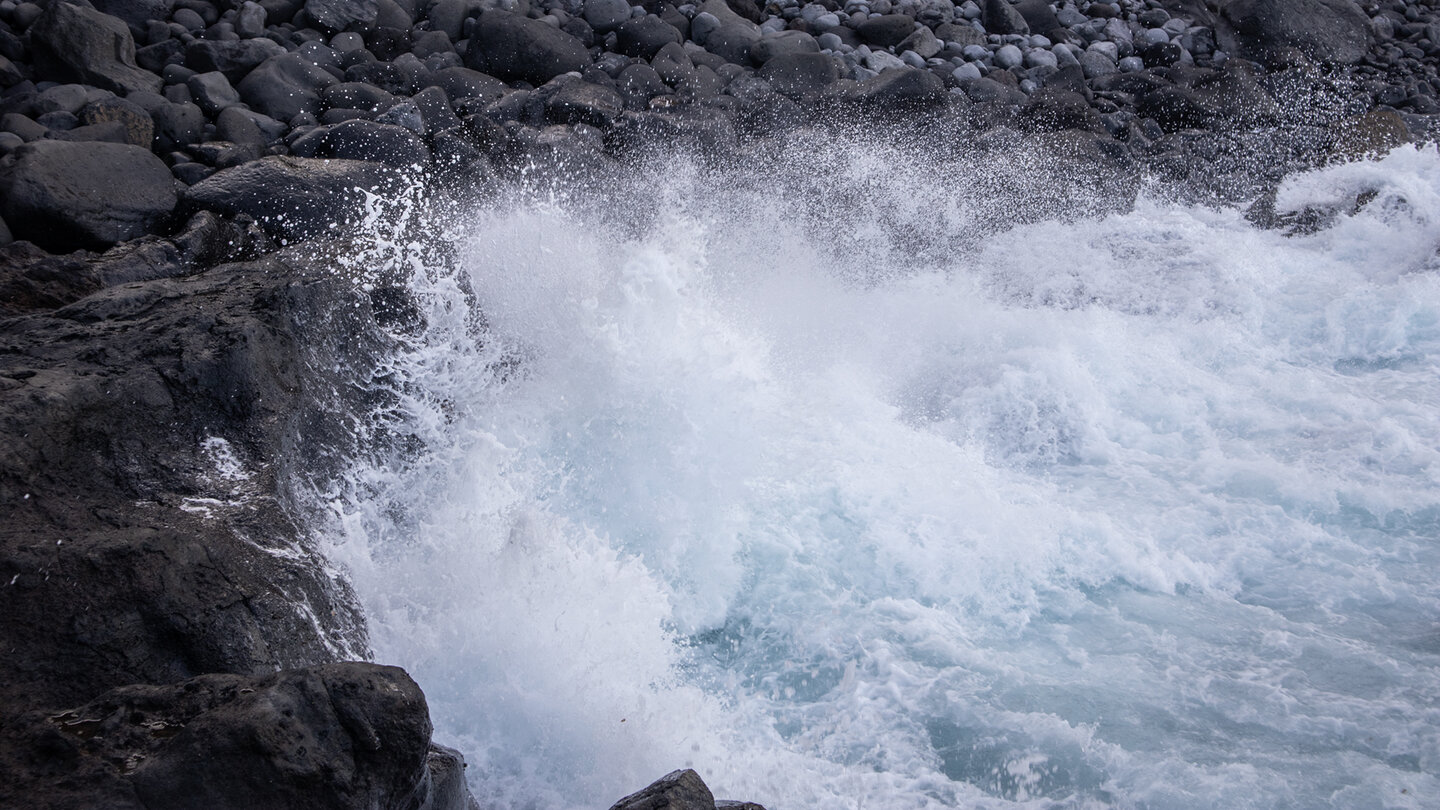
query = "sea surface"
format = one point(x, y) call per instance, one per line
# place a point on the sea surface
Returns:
point(856, 481)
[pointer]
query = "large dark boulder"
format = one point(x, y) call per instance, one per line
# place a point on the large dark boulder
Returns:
point(335, 736)
point(1334, 31)
point(391, 145)
point(902, 88)
point(143, 542)
point(65, 195)
point(999, 17)
point(339, 15)
point(284, 86)
point(886, 30)
point(580, 102)
point(799, 74)
point(74, 43)
point(136, 13)
point(293, 197)
point(677, 790)
point(155, 581)
point(645, 36)
point(235, 58)
point(511, 47)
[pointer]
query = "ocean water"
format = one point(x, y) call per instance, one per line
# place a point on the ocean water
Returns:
point(889, 485)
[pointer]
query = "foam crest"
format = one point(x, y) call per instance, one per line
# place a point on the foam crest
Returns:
point(1131, 508)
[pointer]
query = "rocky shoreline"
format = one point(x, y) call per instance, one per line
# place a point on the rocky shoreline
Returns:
point(170, 635)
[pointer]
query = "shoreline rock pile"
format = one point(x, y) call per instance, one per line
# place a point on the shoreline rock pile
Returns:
point(124, 118)
point(158, 621)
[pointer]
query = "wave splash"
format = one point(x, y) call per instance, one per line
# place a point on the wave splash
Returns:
point(848, 497)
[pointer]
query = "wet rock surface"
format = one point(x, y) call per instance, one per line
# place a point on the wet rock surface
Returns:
point(157, 578)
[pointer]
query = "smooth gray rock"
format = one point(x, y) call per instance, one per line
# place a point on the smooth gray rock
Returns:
point(606, 15)
point(677, 790)
point(772, 45)
point(511, 47)
point(291, 197)
point(338, 15)
point(63, 195)
point(644, 36)
point(212, 92)
point(887, 30)
point(800, 74)
point(285, 86)
point(235, 58)
point(1334, 31)
point(999, 17)
point(358, 139)
point(81, 44)
point(580, 102)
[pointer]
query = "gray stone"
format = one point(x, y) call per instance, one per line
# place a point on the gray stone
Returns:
point(1009, 56)
point(798, 74)
point(138, 126)
point(999, 17)
point(66, 195)
point(435, 110)
point(771, 45)
point(887, 30)
point(388, 144)
point(580, 102)
point(250, 20)
point(606, 15)
point(702, 25)
point(921, 42)
point(511, 47)
point(643, 37)
point(732, 42)
point(212, 91)
point(903, 88)
point(81, 44)
point(285, 86)
point(678, 790)
point(235, 58)
point(338, 15)
point(1334, 31)
point(291, 197)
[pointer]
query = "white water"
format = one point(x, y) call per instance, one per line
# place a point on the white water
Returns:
point(1141, 511)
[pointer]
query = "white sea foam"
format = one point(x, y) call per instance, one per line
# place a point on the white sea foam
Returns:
point(1137, 511)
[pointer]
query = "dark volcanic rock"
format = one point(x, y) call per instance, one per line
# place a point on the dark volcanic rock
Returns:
point(511, 47)
point(365, 140)
point(136, 13)
point(645, 36)
point(579, 102)
point(333, 736)
point(799, 74)
point(677, 790)
point(901, 88)
point(84, 45)
point(338, 15)
point(66, 195)
point(886, 30)
point(138, 126)
point(1002, 18)
point(1334, 31)
point(293, 197)
point(284, 86)
point(144, 542)
point(234, 58)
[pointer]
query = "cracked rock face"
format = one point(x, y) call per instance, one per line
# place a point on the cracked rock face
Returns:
point(333, 736)
point(146, 539)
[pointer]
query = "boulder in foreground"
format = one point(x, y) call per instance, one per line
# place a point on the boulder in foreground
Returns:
point(63, 195)
point(333, 736)
point(293, 198)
